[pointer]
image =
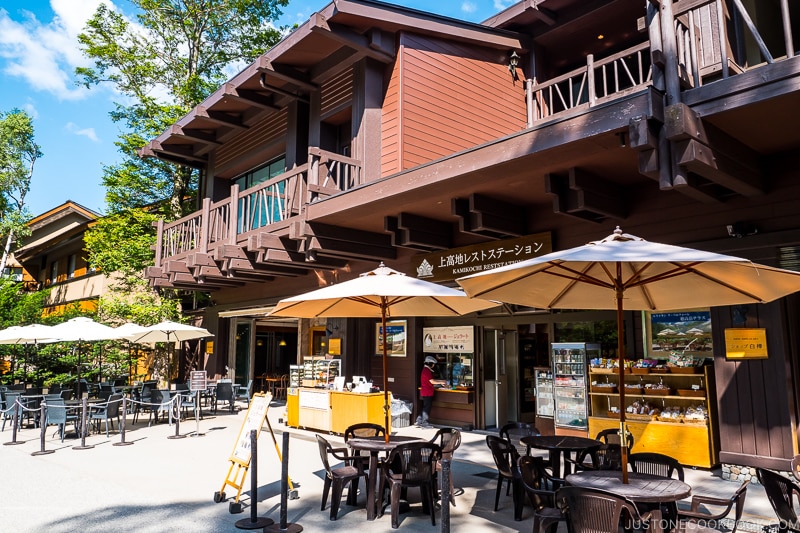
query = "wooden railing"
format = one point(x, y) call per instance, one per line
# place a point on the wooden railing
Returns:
point(610, 77)
point(275, 200)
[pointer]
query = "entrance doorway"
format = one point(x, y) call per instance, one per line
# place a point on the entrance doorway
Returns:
point(501, 376)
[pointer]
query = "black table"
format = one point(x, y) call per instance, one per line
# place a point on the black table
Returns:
point(649, 492)
point(376, 445)
point(561, 445)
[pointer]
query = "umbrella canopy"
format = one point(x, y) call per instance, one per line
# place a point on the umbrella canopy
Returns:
point(377, 294)
point(169, 332)
point(83, 328)
point(627, 272)
point(129, 329)
point(30, 334)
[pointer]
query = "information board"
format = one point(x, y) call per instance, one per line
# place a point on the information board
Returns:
point(254, 419)
point(198, 380)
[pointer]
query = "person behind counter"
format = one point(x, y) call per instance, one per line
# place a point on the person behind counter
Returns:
point(426, 383)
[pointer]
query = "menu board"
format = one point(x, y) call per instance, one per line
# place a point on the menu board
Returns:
point(253, 420)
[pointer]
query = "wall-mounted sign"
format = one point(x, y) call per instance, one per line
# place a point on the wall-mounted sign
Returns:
point(746, 343)
point(455, 339)
point(335, 346)
point(209, 346)
point(450, 264)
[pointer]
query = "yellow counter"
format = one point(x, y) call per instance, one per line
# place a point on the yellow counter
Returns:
point(332, 411)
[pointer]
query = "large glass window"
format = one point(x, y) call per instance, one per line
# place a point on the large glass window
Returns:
point(264, 207)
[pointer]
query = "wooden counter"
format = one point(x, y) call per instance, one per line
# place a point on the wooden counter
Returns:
point(453, 407)
point(332, 411)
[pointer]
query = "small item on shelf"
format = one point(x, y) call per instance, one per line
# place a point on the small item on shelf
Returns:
point(657, 389)
point(609, 388)
point(643, 366)
point(640, 410)
point(692, 393)
point(633, 388)
point(696, 415)
point(671, 414)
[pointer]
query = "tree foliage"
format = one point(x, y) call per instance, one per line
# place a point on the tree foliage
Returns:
point(18, 155)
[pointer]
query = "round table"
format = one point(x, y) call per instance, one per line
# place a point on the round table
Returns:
point(376, 445)
point(561, 445)
point(649, 492)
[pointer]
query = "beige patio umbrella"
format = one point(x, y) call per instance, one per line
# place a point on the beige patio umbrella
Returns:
point(625, 272)
point(381, 293)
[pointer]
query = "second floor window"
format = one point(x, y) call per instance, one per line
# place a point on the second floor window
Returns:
point(263, 207)
point(71, 267)
point(54, 273)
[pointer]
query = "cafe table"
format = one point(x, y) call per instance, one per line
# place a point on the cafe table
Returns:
point(647, 491)
point(558, 446)
point(375, 446)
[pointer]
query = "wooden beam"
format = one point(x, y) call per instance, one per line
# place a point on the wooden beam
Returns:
point(364, 44)
point(418, 232)
point(295, 77)
point(346, 249)
point(711, 153)
point(250, 97)
point(566, 201)
point(225, 119)
point(281, 91)
point(194, 135)
point(302, 229)
point(489, 217)
point(183, 151)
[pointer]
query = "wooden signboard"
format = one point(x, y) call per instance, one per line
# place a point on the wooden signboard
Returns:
point(240, 457)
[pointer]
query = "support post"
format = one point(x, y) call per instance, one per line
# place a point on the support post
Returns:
point(122, 441)
point(43, 427)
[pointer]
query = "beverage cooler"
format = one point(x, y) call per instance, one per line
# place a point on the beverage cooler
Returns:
point(570, 383)
point(544, 400)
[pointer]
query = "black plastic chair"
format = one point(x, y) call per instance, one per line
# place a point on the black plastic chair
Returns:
point(448, 439)
point(694, 518)
point(410, 464)
point(505, 458)
point(608, 456)
point(363, 429)
point(656, 464)
point(224, 394)
point(541, 489)
point(796, 467)
point(598, 511)
point(108, 412)
point(513, 433)
point(781, 493)
point(338, 477)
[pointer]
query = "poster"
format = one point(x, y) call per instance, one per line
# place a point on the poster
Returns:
point(685, 333)
point(396, 338)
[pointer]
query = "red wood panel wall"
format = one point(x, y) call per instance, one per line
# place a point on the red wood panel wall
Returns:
point(445, 97)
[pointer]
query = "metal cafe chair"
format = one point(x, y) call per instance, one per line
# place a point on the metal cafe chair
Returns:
point(783, 494)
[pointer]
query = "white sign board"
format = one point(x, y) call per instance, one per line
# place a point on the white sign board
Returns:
point(453, 339)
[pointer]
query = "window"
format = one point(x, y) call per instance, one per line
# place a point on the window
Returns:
point(257, 210)
point(54, 272)
point(14, 273)
point(71, 267)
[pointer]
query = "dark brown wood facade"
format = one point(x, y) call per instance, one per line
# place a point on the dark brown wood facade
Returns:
point(405, 133)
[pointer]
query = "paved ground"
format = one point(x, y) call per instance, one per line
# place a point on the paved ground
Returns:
point(160, 484)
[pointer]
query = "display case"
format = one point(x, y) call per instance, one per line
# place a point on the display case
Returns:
point(544, 393)
point(569, 383)
point(668, 410)
point(315, 372)
point(455, 368)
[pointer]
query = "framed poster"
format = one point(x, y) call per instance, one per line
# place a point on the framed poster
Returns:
point(395, 338)
point(684, 332)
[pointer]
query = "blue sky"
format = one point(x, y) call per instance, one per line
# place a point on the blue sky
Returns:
point(38, 56)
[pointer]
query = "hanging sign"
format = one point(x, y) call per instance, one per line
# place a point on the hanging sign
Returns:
point(454, 339)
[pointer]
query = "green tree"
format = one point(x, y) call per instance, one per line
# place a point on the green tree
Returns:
point(18, 155)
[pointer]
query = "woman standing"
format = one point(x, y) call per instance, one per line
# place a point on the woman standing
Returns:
point(427, 383)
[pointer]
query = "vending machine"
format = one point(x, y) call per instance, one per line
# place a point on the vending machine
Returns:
point(544, 400)
point(570, 360)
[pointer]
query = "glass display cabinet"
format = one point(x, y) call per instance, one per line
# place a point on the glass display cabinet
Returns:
point(569, 383)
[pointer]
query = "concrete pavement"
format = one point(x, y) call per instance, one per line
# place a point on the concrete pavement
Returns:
point(160, 484)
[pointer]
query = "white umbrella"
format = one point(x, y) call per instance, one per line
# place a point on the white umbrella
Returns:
point(377, 294)
point(170, 332)
point(627, 272)
point(30, 334)
point(83, 329)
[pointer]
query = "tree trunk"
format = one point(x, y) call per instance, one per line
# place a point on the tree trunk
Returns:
point(6, 251)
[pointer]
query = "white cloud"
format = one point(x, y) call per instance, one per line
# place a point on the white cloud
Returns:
point(500, 5)
point(86, 132)
point(45, 54)
point(469, 7)
point(30, 109)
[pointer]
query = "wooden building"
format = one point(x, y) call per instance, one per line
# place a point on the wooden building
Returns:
point(377, 133)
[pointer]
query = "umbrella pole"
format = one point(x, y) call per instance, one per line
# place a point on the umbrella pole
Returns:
point(621, 369)
point(385, 379)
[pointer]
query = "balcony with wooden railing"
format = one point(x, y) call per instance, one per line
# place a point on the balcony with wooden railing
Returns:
point(268, 206)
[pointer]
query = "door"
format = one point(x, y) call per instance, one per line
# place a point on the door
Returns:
point(500, 376)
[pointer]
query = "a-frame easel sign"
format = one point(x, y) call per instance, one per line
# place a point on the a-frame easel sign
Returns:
point(240, 457)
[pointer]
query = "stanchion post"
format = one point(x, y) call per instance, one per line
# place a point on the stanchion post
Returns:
point(43, 427)
point(177, 407)
point(283, 526)
point(122, 441)
point(84, 427)
point(445, 493)
point(14, 423)
point(254, 522)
